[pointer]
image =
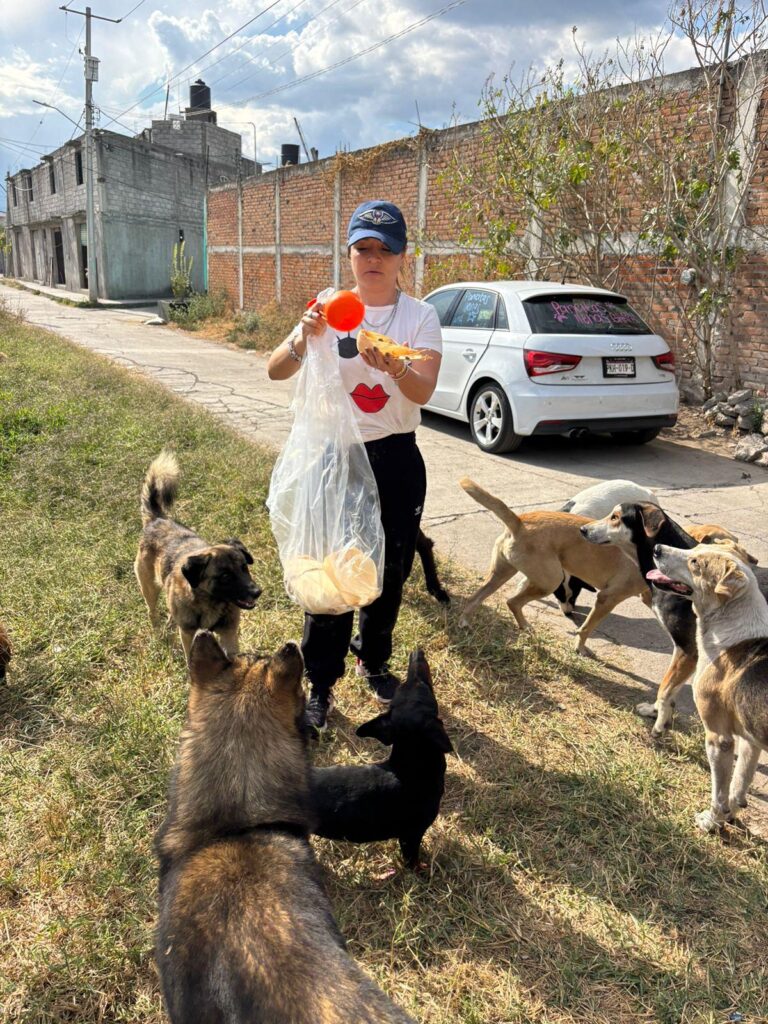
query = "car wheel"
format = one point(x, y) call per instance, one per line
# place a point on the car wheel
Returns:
point(636, 436)
point(490, 420)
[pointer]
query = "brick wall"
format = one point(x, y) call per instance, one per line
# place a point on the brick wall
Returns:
point(294, 219)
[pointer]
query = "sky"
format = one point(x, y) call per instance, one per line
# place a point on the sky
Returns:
point(433, 74)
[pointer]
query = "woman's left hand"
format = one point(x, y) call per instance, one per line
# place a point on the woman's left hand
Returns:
point(376, 359)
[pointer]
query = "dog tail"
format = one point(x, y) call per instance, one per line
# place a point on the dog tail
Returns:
point(496, 505)
point(161, 483)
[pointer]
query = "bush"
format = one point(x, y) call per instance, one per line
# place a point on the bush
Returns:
point(265, 328)
point(181, 271)
point(191, 312)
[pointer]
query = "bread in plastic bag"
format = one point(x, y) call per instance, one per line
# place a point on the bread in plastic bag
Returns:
point(323, 499)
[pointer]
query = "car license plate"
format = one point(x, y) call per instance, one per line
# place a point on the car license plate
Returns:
point(619, 367)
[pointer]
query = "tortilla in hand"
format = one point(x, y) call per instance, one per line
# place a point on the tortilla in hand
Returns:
point(367, 340)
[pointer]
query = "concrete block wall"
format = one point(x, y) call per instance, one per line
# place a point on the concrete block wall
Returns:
point(146, 197)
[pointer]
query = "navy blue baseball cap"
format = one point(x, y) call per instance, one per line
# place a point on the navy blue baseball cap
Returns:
point(378, 219)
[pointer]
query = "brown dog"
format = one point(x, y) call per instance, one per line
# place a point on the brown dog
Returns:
point(246, 931)
point(543, 546)
point(6, 651)
point(205, 585)
point(731, 682)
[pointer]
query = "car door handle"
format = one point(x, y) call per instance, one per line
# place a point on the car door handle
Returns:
point(469, 354)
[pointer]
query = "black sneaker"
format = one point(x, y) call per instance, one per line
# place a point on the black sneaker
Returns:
point(381, 681)
point(319, 706)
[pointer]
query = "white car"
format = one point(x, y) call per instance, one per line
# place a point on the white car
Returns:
point(532, 357)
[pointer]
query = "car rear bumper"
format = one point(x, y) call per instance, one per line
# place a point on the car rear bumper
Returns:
point(598, 426)
point(549, 410)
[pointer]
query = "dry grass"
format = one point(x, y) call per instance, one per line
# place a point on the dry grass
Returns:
point(260, 330)
point(567, 882)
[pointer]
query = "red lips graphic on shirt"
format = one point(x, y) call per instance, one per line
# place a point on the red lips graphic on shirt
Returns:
point(370, 399)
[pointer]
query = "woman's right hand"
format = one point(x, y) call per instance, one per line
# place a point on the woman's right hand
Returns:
point(312, 323)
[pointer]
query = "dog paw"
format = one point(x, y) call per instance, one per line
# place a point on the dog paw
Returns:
point(707, 822)
point(646, 710)
point(585, 651)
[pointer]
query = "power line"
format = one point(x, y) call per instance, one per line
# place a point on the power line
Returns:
point(251, 57)
point(197, 60)
point(290, 49)
point(248, 39)
point(58, 85)
point(138, 5)
point(354, 56)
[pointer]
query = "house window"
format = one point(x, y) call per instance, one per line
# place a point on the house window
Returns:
point(14, 194)
point(52, 177)
point(78, 167)
point(28, 187)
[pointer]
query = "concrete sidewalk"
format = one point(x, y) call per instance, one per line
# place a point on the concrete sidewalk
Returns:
point(693, 485)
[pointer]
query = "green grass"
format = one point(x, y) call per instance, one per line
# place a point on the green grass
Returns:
point(567, 884)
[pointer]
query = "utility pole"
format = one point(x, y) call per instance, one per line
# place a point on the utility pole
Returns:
point(91, 76)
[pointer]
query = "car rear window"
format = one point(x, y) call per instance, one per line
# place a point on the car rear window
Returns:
point(583, 314)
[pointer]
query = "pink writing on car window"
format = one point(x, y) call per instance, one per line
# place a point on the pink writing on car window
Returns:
point(593, 314)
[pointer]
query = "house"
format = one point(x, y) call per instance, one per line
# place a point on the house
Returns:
point(149, 193)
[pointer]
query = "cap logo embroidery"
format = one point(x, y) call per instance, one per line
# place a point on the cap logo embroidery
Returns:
point(377, 217)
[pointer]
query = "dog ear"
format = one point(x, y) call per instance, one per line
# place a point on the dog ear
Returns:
point(439, 736)
point(652, 518)
point(737, 549)
point(731, 582)
point(235, 542)
point(207, 660)
point(380, 728)
point(193, 569)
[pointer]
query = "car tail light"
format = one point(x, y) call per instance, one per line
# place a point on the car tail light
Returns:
point(539, 363)
point(666, 361)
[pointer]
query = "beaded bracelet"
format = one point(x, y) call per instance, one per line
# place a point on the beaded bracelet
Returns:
point(403, 372)
point(292, 350)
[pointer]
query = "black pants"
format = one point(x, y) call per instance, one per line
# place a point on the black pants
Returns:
point(402, 481)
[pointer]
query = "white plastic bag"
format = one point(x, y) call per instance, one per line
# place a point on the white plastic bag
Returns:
point(323, 500)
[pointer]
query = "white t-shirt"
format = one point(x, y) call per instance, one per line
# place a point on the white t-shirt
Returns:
point(380, 406)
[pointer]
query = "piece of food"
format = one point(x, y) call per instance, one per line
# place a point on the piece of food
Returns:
point(345, 579)
point(370, 339)
point(354, 575)
point(309, 585)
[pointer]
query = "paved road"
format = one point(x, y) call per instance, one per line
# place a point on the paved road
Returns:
point(692, 485)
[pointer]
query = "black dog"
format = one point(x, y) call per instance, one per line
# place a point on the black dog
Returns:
point(398, 798)
point(424, 546)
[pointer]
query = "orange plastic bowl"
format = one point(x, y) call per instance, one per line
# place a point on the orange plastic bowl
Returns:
point(344, 311)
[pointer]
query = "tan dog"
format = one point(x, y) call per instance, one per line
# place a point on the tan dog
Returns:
point(731, 682)
point(711, 533)
point(543, 546)
point(205, 585)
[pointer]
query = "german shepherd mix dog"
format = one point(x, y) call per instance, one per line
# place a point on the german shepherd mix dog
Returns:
point(636, 529)
point(398, 798)
point(6, 651)
point(731, 682)
point(545, 546)
point(246, 932)
point(206, 585)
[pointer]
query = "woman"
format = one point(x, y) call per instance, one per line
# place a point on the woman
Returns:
point(387, 395)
